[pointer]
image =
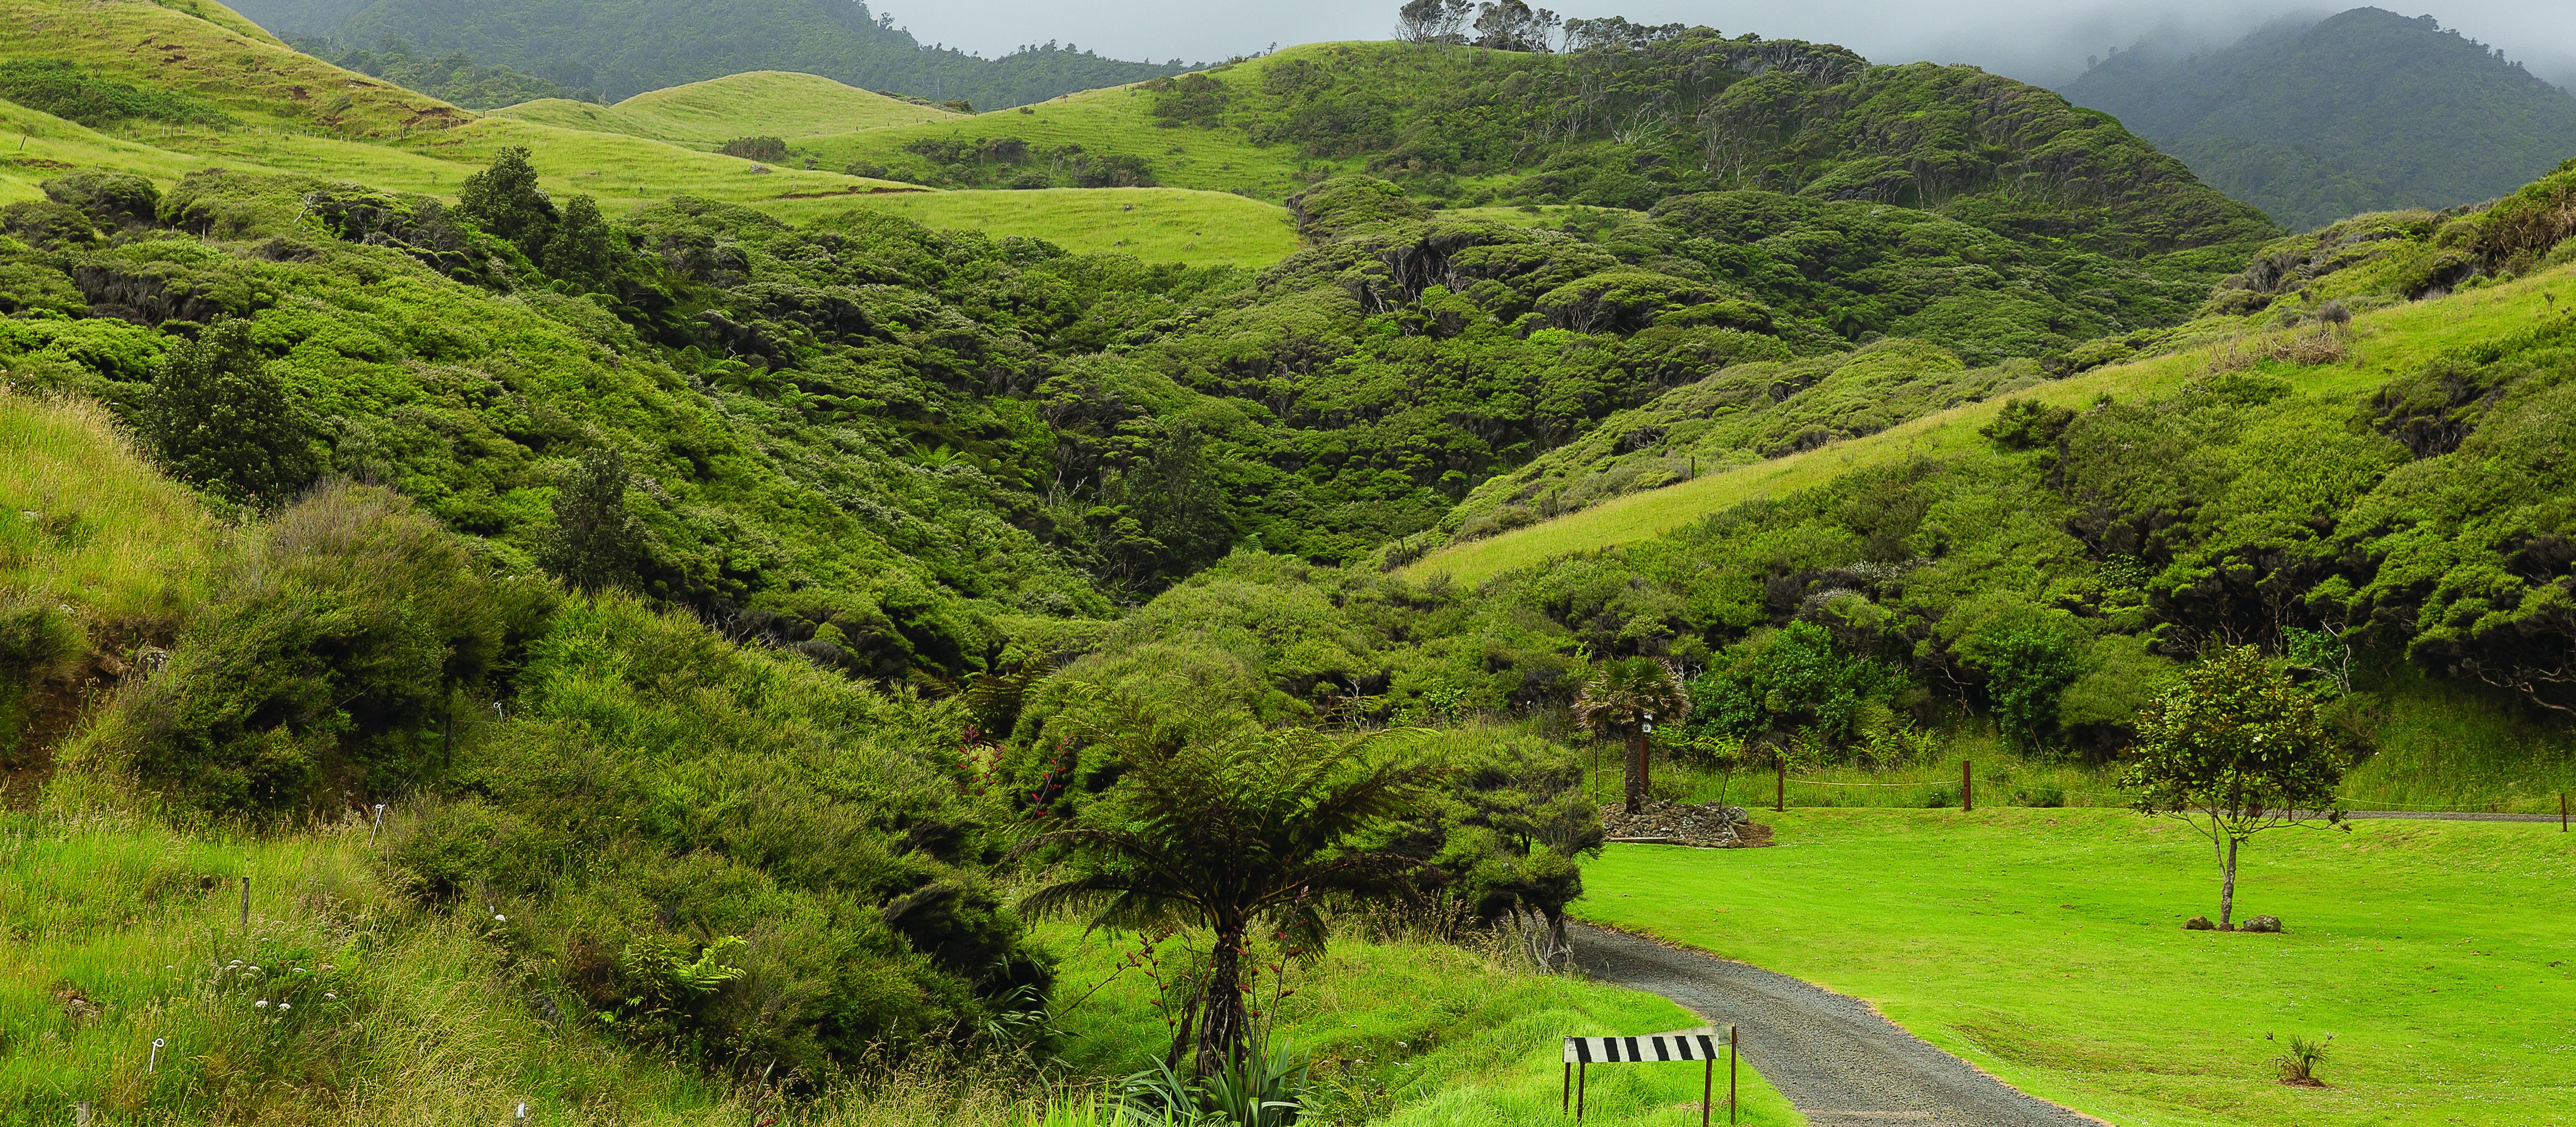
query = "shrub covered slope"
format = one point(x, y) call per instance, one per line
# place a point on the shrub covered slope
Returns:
point(1623, 122)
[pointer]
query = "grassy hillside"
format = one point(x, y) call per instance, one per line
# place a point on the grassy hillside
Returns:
point(2383, 345)
point(759, 104)
point(1153, 224)
point(1112, 121)
point(2369, 110)
point(2046, 947)
point(203, 51)
point(290, 112)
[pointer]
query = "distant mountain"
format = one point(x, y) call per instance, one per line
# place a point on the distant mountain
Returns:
point(615, 49)
point(2315, 120)
point(451, 78)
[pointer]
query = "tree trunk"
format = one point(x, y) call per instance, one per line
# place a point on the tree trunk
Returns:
point(1636, 772)
point(1222, 1029)
point(1181, 1038)
point(2227, 889)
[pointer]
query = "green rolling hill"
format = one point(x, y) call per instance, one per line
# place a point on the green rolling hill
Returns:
point(703, 115)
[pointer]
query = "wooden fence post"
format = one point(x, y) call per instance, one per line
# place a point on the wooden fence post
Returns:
point(1780, 800)
point(1707, 1088)
point(1731, 1050)
point(245, 904)
point(2562, 811)
point(1967, 786)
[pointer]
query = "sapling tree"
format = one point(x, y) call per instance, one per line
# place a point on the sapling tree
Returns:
point(505, 201)
point(2235, 750)
point(221, 420)
point(597, 542)
point(1626, 699)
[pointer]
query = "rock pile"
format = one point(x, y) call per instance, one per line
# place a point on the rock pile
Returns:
point(1673, 823)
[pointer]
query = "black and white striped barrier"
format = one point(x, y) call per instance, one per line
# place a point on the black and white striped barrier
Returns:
point(1702, 1044)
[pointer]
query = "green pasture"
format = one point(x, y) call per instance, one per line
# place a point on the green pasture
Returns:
point(706, 114)
point(1154, 224)
point(2046, 946)
point(1113, 121)
point(2385, 344)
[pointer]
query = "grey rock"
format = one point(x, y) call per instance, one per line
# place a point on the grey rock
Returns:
point(2268, 925)
point(2199, 923)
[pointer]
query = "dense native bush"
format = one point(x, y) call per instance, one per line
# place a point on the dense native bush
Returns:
point(1042, 433)
point(325, 669)
point(66, 91)
point(221, 420)
point(1632, 116)
point(728, 854)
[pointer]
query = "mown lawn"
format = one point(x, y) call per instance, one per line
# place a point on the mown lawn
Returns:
point(2046, 946)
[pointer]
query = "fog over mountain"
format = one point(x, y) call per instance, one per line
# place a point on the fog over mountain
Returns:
point(2044, 41)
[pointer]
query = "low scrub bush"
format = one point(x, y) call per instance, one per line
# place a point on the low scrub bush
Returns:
point(323, 670)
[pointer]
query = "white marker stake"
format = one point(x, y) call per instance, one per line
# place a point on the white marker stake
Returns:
point(522, 1117)
point(154, 1065)
point(380, 824)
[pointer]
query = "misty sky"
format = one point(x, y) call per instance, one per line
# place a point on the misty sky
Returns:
point(2036, 40)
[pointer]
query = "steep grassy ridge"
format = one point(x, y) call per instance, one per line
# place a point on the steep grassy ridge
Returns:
point(2046, 946)
point(758, 104)
point(205, 51)
point(295, 113)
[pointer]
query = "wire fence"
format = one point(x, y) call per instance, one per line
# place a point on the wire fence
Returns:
point(2019, 793)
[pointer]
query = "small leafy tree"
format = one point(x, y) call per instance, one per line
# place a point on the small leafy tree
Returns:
point(504, 200)
point(1624, 700)
point(2028, 662)
point(222, 422)
point(1221, 824)
point(2234, 750)
point(582, 250)
point(597, 543)
point(1432, 21)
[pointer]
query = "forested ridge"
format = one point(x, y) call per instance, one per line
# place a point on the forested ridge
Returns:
point(736, 613)
point(2317, 120)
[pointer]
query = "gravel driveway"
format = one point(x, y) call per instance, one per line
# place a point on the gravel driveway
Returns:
point(1841, 1064)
